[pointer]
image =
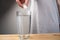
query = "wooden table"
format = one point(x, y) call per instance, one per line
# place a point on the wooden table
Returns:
point(54, 36)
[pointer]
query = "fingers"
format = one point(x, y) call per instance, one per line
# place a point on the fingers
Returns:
point(22, 1)
point(26, 2)
point(19, 3)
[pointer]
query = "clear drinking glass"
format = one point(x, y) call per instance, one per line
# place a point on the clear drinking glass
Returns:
point(24, 24)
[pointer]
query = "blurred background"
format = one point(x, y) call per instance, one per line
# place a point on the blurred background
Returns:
point(8, 10)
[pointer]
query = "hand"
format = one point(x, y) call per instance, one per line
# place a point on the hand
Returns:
point(21, 2)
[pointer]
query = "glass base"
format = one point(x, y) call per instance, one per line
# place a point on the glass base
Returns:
point(24, 37)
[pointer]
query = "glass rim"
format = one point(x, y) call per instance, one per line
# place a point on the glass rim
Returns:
point(18, 13)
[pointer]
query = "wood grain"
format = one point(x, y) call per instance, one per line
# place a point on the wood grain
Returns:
point(54, 36)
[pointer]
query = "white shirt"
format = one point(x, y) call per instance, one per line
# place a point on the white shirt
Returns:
point(44, 16)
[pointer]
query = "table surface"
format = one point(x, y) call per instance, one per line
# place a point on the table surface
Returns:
point(53, 36)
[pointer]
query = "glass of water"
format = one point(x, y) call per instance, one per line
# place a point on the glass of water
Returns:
point(24, 25)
